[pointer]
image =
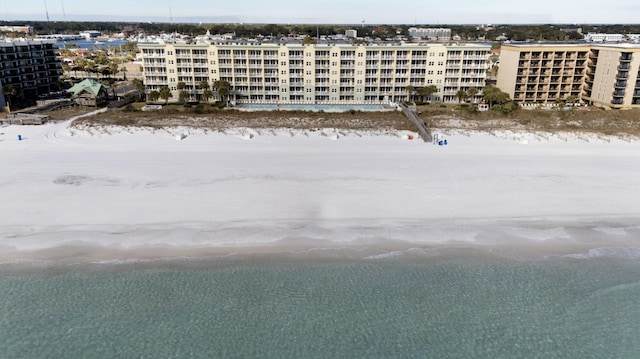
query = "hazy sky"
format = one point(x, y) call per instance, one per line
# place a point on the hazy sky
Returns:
point(329, 11)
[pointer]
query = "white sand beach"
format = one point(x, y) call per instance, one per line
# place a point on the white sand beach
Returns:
point(125, 192)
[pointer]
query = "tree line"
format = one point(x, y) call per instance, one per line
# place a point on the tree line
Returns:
point(541, 32)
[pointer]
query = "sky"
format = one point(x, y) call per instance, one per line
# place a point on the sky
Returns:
point(420, 12)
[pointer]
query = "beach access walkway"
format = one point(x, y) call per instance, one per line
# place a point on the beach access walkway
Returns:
point(422, 128)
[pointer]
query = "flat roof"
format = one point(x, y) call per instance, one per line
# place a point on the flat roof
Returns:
point(574, 44)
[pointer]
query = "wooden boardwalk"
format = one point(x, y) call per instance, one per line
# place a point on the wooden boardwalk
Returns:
point(422, 128)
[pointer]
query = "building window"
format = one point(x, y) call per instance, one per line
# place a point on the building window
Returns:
point(430, 72)
point(439, 72)
point(431, 63)
point(429, 81)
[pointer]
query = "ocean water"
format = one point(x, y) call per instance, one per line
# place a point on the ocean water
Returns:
point(448, 303)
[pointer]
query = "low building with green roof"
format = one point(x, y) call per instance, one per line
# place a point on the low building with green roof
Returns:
point(89, 92)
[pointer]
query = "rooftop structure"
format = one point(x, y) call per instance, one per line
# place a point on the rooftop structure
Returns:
point(317, 74)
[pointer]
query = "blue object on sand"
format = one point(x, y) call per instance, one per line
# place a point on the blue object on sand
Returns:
point(19, 137)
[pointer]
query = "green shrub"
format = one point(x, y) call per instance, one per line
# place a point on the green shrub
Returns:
point(130, 108)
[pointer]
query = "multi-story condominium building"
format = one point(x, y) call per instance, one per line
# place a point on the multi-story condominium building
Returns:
point(32, 67)
point(296, 73)
point(604, 75)
point(441, 34)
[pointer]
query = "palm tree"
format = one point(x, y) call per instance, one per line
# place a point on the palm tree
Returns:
point(182, 88)
point(222, 87)
point(165, 93)
point(10, 91)
point(461, 95)
point(411, 90)
point(124, 72)
point(183, 95)
point(207, 94)
point(204, 84)
point(471, 93)
point(427, 91)
point(138, 84)
point(154, 96)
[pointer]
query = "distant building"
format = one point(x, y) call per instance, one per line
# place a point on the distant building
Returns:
point(26, 29)
point(605, 75)
point(90, 34)
point(572, 29)
point(439, 34)
point(351, 33)
point(32, 67)
point(594, 37)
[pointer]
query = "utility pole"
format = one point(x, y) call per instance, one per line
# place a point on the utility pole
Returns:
point(64, 14)
point(46, 10)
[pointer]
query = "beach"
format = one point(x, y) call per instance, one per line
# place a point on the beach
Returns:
point(278, 243)
point(112, 192)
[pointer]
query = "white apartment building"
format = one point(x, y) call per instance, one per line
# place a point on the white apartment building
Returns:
point(440, 34)
point(330, 74)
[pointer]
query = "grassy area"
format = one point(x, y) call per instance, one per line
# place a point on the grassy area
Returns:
point(210, 117)
point(582, 119)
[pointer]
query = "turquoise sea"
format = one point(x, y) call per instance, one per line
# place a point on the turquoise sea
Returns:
point(449, 303)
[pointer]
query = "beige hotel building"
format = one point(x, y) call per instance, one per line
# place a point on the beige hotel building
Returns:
point(317, 74)
point(605, 75)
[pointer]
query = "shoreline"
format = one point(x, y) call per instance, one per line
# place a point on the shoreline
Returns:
point(514, 239)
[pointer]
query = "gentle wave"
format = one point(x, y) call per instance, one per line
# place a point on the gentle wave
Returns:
point(617, 252)
point(411, 252)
